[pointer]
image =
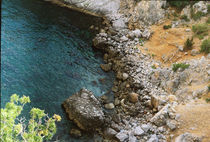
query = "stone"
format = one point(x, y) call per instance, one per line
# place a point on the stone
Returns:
point(119, 75)
point(188, 30)
point(149, 12)
point(116, 101)
point(146, 127)
point(124, 76)
point(138, 131)
point(159, 118)
point(83, 107)
point(181, 48)
point(172, 98)
point(155, 102)
point(133, 97)
point(132, 138)
point(172, 124)
point(122, 135)
point(124, 38)
point(109, 106)
point(187, 137)
point(186, 11)
point(119, 24)
point(106, 56)
point(115, 89)
point(135, 34)
point(194, 52)
point(200, 6)
point(146, 34)
point(110, 133)
point(106, 67)
point(76, 133)
point(153, 138)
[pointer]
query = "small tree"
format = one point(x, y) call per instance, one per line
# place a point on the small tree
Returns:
point(15, 129)
point(188, 44)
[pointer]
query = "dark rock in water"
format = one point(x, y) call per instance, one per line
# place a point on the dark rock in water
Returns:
point(85, 110)
point(76, 132)
point(106, 67)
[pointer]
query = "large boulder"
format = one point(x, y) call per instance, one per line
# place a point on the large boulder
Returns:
point(150, 12)
point(98, 7)
point(85, 110)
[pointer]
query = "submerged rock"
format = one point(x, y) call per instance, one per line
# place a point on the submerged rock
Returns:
point(76, 132)
point(106, 67)
point(85, 110)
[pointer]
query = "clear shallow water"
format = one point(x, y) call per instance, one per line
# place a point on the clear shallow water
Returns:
point(46, 54)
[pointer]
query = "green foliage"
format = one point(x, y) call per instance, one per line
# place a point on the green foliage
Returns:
point(209, 88)
point(40, 127)
point(208, 20)
point(178, 4)
point(200, 30)
point(166, 27)
point(196, 16)
point(208, 7)
point(175, 14)
point(205, 46)
point(184, 17)
point(141, 41)
point(208, 100)
point(153, 67)
point(188, 44)
point(180, 65)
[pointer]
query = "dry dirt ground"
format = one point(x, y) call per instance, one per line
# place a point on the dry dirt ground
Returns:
point(195, 119)
point(165, 42)
point(194, 116)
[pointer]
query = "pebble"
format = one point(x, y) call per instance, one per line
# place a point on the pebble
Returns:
point(109, 106)
point(133, 97)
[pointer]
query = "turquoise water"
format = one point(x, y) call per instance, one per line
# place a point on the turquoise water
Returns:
point(46, 54)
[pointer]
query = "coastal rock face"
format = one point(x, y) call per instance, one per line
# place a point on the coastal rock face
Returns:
point(150, 12)
point(121, 13)
point(102, 7)
point(85, 110)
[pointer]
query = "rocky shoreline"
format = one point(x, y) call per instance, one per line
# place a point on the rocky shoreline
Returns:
point(142, 109)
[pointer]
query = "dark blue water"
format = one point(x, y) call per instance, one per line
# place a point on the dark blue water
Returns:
point(46, 54)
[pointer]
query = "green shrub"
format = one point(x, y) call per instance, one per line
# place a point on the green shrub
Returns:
point(40, 127)
point(178, 4)
point(207, 100)
point(166, 27)
point(197, 16)
point(179, 65)
point(208, 8)
point(184, 17)
point(153, 67)
point(188, 44)
point(205, 46)
point(200, 30)
point(208, 20)
point(175, 14)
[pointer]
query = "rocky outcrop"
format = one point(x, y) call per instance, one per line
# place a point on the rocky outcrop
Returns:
point(120, 13)
point(85, 110)
point(149, 12)
point(200, 6)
